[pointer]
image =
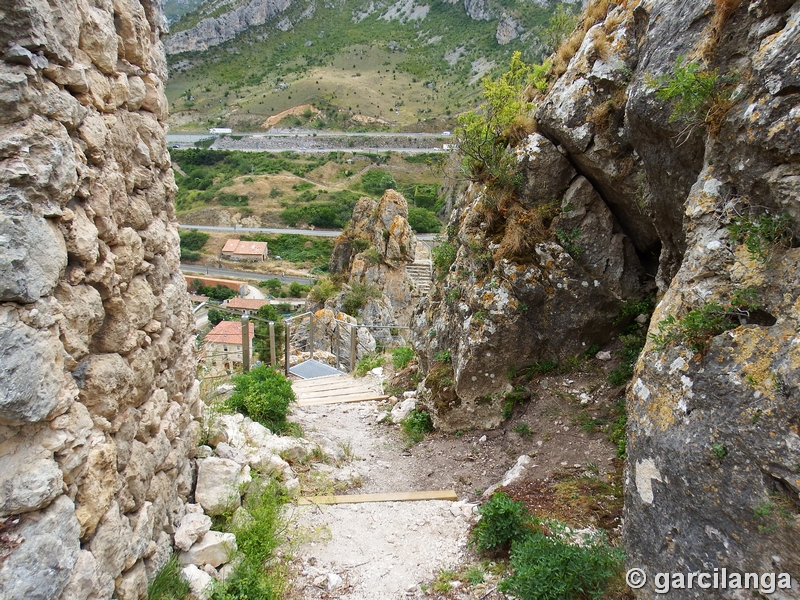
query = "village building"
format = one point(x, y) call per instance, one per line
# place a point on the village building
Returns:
point(222, 347)
point(247, 251)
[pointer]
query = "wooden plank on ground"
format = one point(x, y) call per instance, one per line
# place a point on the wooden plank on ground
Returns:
point(338, 392)
point(321, 381)
point(386, 497)
point(339, 399)
point(328, 388)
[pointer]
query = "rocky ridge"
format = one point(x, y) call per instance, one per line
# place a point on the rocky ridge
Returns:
point(713, 447)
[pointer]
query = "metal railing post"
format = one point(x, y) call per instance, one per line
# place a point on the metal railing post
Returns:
point(353, 339)
point(311, 337)
point(272, 354)
point(245, 342)
point(287, 348)
point(336, 341)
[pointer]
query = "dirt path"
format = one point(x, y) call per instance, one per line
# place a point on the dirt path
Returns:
point(371, 551)
point(395, 550)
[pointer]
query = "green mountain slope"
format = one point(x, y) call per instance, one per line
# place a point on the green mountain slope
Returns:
point(357, 64)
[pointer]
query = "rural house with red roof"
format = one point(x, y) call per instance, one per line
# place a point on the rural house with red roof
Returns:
point(249, 251)
point(222, 346)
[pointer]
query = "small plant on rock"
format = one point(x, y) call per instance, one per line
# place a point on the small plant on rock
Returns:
point(402, 356)
point(416, 425)
point(759, 234)
point(169, 584)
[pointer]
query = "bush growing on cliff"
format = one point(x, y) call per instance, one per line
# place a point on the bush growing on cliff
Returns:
point(264, 395)
point(696, 328)
point(357, 297)
point(484, 136)
point(759, 234)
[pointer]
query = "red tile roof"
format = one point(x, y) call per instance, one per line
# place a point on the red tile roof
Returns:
point(228, 332)
point(233, 246)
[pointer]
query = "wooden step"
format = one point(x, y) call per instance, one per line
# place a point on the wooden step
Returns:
point(385, 497)
point(339, 399)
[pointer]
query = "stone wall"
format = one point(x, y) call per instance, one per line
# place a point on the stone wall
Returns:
point(98, 403)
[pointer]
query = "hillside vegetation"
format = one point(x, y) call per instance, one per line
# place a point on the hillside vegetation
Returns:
point(406, 66)
point(297, 190)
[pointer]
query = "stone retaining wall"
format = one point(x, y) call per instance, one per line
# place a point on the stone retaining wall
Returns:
point(98, 402)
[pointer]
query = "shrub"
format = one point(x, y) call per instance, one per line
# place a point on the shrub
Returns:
point(296, 289)
point(416, 425)
point(483, 136)
point(552, 566)
point(193, 239)
point(324, 289)
point(273, 285)
point(759, 234)
point(376, 182)
point(422, 220)
point(698, 326)
point(169, 584)
point(190, 255)
point(255, 576)
point(369, 362)
point(444, 255)
point(402, 356)
point(357, 297)
point(503, 521)
point(264, 395)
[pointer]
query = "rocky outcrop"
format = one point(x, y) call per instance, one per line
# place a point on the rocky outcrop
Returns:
point(98, 405)
point(213, 31)
point(516, 295)
point(375, 250)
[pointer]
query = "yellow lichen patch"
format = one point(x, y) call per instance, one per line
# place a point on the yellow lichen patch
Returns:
point(488, 297)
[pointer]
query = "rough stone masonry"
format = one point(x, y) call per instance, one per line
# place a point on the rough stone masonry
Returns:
point(98, 401)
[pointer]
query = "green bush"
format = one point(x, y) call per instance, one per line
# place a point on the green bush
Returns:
point(553, 566)
point(503, 521)
point(376, 182)
point(690, 89)
point(444, 255)
point(193, 239)
point(698, 326)
point(759, 234)
point(264, 395)
point(324, 289)
point(190, 255)
point(483, 136)
point(273, 285)
point(255, 576)
point(169, 584)
point(369, 362)
point(357, 297)
point(422, 220)
point(402, 356)
point(416, 425)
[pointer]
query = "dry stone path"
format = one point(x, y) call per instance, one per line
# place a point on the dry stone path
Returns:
point(371, 550)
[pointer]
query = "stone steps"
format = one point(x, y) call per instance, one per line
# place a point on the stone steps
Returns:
point(420, 273)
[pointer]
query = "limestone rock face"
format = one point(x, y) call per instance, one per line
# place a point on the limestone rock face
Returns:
point(96, 339)
point(216, 30)
point(512, 296)
point(713, 435)
point(376, 250)
point(713, 445)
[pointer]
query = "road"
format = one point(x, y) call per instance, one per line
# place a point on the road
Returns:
point(426, 237)
point(216, 272)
